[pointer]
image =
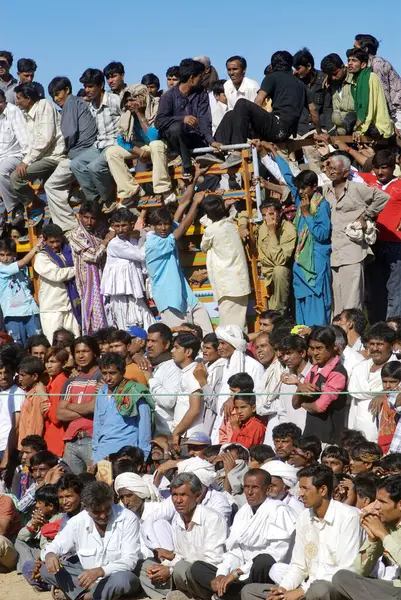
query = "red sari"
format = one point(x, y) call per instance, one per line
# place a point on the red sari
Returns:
point(54, 429)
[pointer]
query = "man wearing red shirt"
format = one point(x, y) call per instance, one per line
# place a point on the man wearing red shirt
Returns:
point(385, 300)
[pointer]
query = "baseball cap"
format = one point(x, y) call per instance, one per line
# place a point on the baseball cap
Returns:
point(138, 332)
point(198, 438)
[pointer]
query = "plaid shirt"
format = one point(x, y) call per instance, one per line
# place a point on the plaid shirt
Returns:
point(13, 135)
point(390, 81)
point(45, 139)
point(107, 118)
point(28, 499)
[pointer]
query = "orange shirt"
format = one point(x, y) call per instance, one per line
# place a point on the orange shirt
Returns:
point(250, 434)
point(31, 418)
point(54, 429)
point(132, 371)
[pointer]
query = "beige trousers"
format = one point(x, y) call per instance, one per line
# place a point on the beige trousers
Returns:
point(197, 315)
point(8, 554)
point(232, 311)
point(51, 321)
point(348, 287)
point(279, 289)
point(116, 158)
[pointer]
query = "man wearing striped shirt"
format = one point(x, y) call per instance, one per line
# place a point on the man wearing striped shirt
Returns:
point(90, 167)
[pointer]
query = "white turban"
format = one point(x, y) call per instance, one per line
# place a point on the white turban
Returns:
point(233, 335)
point(199, 467)
point(286, 472)
point(140, 486)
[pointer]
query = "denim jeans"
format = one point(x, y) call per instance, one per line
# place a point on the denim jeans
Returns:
point(77, 454)
point(92, 173)
point(385, 282)
point(21, 328)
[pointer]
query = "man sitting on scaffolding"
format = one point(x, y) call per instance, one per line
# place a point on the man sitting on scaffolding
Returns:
point(288, 96)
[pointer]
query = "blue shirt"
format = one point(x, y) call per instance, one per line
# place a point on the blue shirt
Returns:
point(111, 431)
point(169, 286)
point(16, 299)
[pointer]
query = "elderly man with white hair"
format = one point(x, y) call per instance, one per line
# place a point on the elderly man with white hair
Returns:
point(232, 347)
point(284, 479)
point(157, 523)
point(199, 533)
point(350, 203)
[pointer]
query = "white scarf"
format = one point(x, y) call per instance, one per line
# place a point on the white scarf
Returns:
point(255, 530)
point(141, 486)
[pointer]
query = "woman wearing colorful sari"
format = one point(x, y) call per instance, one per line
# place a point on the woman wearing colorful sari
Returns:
point(311, 271)
point(89, 254)
point(59, 301)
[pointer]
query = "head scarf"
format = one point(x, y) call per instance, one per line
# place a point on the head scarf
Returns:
point(140, 486)
point(286, 472)
point(126, 123)
point(233, 335)
point(199, 467)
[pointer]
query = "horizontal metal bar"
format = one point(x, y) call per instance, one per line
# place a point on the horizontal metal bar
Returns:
point(228, 147)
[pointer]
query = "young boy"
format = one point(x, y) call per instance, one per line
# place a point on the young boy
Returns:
point(31, 538)
point(220, 106)
point(20, 311)
point(173, 297)
point(58, 295)
point(364, 457)
point(188, 409)
point(124, 411)
point(260, 455)
point(11, 399)
point(89, 254)
point(37, 345)
point(306, 451)
point(284, 436)
point(238, 383)
point(22, 478)
point(248, 430)
point(120, 341)
point(336, 458)
point(29, 373)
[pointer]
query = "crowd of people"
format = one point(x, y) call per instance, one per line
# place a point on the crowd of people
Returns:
point(144, 451)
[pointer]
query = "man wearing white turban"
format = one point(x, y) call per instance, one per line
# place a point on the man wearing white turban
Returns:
point(199, 533)
point(284, 478)
point(140, 496)
point(232, 347)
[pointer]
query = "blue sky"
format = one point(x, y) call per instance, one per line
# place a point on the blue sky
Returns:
point(65, 38)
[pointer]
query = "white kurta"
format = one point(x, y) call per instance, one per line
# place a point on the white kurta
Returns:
point(238, 363)
point(268, 531)
point(363, 386)
point(226, 262)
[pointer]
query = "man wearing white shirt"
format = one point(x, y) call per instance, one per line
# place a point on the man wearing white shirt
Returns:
point(188, 410)
point(232, 347)
point(210, 497)
point(261, 534)
point(239, 86)
point(328, 538)
point(46, 146)
point(13, 145)
point(365, 380)
point(354, 323)
point(11, 399)
point(163, 376)
point(106, 540)
point(199, 533)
